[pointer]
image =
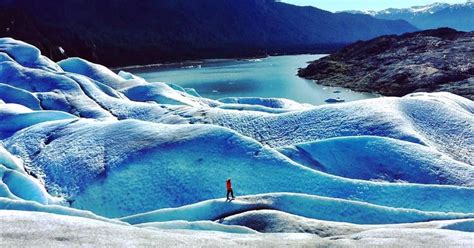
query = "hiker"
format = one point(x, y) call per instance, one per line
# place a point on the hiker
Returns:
point(229, 189)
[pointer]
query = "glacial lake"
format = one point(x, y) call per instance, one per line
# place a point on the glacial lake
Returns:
point(266, 77)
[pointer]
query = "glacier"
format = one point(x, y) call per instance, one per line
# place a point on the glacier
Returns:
point(83, 146)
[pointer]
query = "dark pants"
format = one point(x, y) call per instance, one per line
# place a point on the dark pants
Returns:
point(230, 191)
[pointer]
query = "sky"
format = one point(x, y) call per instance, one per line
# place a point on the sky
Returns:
point(338, 5)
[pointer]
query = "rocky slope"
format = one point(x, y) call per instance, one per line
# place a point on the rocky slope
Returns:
point(431, 61)
point(124, 32)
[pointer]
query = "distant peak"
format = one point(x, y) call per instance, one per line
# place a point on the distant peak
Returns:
point(418, 9)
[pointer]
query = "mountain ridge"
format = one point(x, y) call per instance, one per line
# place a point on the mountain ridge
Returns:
point(119, 33)
point(458, 16)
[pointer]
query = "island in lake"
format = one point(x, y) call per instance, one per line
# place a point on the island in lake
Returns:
point(427, 61)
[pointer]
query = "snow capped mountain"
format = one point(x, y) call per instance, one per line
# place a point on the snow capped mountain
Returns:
point(416, 10)
point(458, 16)
point(432, 8)
point(83, 148)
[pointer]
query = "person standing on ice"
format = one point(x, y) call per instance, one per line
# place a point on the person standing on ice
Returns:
point(229, 189)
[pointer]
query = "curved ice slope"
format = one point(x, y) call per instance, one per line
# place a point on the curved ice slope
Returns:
point(17, 185)
point(160, 93)
point(379, 158)
point(20, 191)
point(279, 103)
point(310, 206)
point(421, 118)
point(69, 231)
point(256, 108)
point(9, 161)
point(55, 90)
point(32, 206)
point(99, 170)
point(464, 226)
point(135, 88)
point(445, 121)
point(26, 55)
point(189, 91)
point(396, 237)
point(377, 117)
point(197, 225)
point(44, 229)
point(21, 186)
point(14, 117)
point(98, 73)
point(10, 94)
point(273, 221)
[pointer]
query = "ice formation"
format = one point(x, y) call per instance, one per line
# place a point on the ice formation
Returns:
point(81, 145)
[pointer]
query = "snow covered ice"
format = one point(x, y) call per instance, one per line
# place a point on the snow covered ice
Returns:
point(146, 162)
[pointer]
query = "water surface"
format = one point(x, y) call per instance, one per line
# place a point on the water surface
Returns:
point(267, 77)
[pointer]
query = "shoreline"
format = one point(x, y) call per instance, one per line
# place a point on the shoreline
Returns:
point(202, 61)
point(182, 73)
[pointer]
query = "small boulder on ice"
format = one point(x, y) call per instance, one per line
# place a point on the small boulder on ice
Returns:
point(334, 100)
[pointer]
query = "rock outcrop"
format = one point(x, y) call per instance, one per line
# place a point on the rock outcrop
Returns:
point(431, 61)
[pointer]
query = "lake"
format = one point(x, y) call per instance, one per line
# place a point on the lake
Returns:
point(273, 76)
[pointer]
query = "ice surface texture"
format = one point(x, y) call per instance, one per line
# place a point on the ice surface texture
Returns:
point(75, 134)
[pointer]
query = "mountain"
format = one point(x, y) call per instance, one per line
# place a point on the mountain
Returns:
point(431, 60)
point(125, 32)
point(437, 15)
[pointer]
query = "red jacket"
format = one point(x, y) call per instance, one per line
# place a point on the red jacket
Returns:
point(229, 185)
